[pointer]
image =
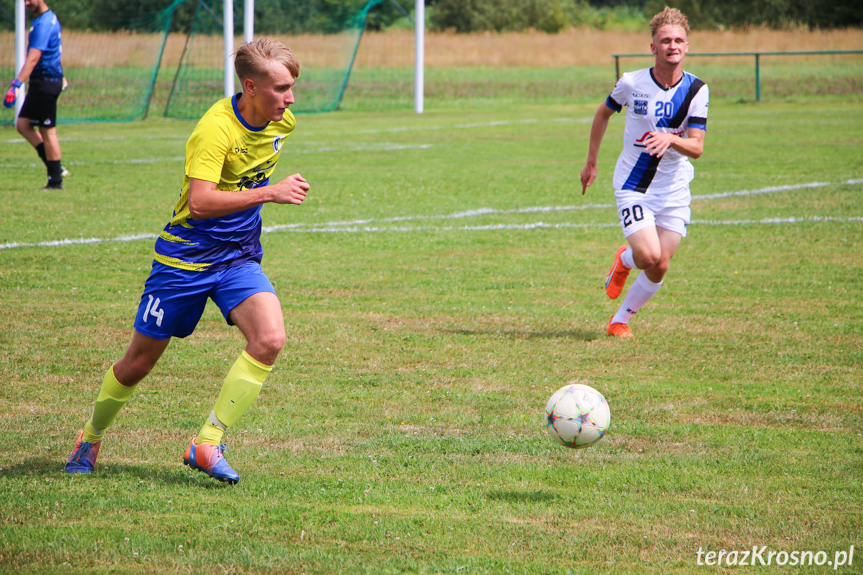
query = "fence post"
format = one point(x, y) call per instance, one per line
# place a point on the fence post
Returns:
point(757, 77)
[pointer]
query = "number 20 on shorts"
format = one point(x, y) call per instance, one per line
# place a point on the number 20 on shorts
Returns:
point(631, 214)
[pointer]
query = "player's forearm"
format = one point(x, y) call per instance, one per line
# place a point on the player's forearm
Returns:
point(209, 204)
point(206, 202)
point(689, 147)
point(30, 62)
point(597, 133)
point(593, 148)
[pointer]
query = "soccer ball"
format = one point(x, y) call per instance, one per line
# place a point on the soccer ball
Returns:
point(578, 416)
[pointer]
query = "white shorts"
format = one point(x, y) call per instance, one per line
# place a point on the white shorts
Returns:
point(669, 210)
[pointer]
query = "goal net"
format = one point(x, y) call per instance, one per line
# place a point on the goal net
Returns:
point(129, 60)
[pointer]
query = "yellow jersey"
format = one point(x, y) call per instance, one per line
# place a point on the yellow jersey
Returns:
point(223, 149)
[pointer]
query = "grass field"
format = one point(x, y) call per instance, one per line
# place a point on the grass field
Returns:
point(442, 279)
point(111, 75)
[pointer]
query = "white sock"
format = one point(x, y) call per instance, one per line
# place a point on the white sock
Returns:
point(626, 258)
point(639, 294)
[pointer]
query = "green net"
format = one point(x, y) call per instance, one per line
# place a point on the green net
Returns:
point(324, 36)
point(110, 61)
point(127, 60)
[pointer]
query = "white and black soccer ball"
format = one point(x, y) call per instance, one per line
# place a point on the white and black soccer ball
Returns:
point(577, 416)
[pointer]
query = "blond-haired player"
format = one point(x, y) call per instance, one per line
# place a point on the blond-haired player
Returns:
point(211, 250)
point(666, 120)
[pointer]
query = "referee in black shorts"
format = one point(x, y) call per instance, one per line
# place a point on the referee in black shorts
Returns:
point(45, 73)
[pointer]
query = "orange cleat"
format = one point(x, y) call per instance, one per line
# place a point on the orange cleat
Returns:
point(618, 329)
point(616, 275)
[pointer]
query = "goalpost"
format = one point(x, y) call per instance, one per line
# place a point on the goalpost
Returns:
point(249, 35)
point(419, 56)
point(20, 49)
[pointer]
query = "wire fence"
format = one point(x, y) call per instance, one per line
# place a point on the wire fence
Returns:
point(756, 55)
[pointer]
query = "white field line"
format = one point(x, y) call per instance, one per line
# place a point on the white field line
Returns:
point(306, 147)
point(309, 148)
point(333, 226)
point(489, 124)
point(374, 225)
point(549, 226)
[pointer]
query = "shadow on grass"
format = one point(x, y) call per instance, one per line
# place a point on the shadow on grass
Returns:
point(583, 335)
point(49, 467)
point(520, 496)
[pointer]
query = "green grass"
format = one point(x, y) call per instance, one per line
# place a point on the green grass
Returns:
point(402, 430)
point(821, 80)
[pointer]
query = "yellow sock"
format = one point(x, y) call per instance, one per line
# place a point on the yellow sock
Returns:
point(241, 388)
point(112, 397)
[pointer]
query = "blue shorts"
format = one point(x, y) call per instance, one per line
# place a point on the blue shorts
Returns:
point(174, 299)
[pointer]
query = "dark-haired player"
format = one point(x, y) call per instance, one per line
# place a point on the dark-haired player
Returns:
point(44, 70)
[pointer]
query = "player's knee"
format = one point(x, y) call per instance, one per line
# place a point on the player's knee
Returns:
point(276, 343)
point(270, 344)
point(647, 259)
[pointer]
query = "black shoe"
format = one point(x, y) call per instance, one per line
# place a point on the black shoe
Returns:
point(52, 186)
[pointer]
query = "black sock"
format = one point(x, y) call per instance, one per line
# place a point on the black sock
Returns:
point(54, 172)
point(40, 149)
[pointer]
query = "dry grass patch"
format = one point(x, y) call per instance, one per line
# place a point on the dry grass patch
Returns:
point(394, 48)
point(584, 47)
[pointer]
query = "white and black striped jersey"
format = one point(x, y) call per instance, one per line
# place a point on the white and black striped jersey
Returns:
point(652, 108)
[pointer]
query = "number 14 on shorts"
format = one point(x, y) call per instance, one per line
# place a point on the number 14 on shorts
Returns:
point(153, 309)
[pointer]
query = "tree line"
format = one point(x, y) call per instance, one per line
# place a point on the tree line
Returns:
point(459, 15)
point(271, 16)
point(558, 15)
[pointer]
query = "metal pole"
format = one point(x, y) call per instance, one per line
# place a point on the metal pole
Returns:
point(419, 53)
point(20, 49)
point(757, 78)
point(228, 26)
point(249, 21)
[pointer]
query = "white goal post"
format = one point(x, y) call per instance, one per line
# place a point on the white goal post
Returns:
point(249, 35)
point(419, 51)
point(20, 49)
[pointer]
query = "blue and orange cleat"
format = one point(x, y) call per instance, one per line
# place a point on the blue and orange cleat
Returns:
point(83, 458)
point(209, 459)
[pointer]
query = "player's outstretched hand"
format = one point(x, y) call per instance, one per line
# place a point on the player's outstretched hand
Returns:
point(12, 94)
point(292, 190)
point(588, 174)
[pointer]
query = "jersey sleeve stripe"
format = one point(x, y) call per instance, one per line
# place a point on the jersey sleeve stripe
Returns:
point(612, 104)
point(700, 123)
point(683, 108)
